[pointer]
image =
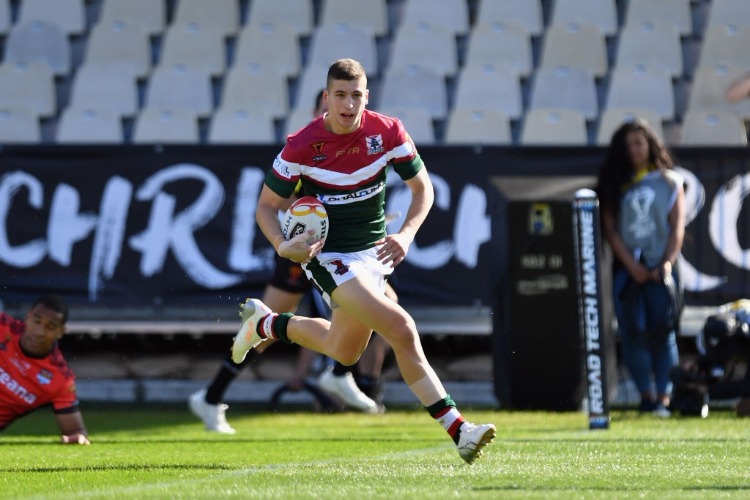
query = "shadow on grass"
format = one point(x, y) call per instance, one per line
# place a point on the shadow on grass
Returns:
point(227, 440)
point(121, 467)
point(549, 489)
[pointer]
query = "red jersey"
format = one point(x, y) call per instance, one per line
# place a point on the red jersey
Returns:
point(347, 173)
point(26, 382)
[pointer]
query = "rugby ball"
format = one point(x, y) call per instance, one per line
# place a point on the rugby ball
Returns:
point(303, 215)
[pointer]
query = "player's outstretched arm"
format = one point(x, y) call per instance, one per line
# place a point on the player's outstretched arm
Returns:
point(72, 428)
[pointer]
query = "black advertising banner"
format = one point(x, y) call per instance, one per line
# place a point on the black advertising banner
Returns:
point(142, 225)
point(131, 225)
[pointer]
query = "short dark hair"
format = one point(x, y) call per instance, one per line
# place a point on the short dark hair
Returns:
point(345, 69)
point(54, 302)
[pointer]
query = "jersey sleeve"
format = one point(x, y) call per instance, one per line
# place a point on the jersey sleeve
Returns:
point(405, 158)
point(285, 174)
point(66, 398)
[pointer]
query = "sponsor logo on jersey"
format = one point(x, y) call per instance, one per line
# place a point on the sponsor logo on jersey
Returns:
point(362, 194)
point(318, 147)
point(15, 388)
point(281, 168)
point(374, 144)
point(20, 365)
point(44, 377)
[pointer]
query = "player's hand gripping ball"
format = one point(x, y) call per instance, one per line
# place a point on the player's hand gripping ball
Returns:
point(303, 215)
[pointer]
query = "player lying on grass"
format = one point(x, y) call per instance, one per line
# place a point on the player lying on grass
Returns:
point(342, 159)
point(33, 372)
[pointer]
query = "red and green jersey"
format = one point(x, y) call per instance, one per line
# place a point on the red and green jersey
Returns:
point(26, 382)
point(347, 173)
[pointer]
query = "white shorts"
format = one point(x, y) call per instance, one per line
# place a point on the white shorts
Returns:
point(330, 269)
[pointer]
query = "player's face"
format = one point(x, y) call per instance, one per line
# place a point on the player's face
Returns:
point(637, 148)
point(346, 101)
point(44, 327)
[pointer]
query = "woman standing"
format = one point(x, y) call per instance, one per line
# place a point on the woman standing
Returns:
point(643, 217)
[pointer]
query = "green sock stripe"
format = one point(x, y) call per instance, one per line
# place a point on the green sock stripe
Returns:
point(280, 324)
point(446, 402)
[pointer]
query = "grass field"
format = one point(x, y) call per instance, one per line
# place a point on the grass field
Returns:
point(162, 452)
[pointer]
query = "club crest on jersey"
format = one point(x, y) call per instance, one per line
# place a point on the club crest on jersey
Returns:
point(318, 147)
point(374, 144)
point(340, 267)
point(44, 377)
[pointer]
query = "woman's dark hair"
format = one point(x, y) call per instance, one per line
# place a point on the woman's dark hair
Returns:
point(617, 170)
point(54, 302)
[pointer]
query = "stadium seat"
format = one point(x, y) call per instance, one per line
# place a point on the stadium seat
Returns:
point(709, 87)
point(335, 41)
point(576, 45)
point(612, 118)
point(565, 87)
point(241, 126)
point(297, 118)
point(726, 44)
point(452, 15)
point(370, 13)
point(196, 45)
point(149, 14)
point(180, 88)
point(19, 126)
point(156, 125)
point(123, 43)
point(298, 14)
point(642, 86)
point(29, 86)
point(723, 12)
point(599, 13)
point(677, 12)
point(491, 87)
point(527, 13)
point(422, 44)
point(222, 15)
point(105, 86)
point(719, 127)
point(42, 42)
point(5, 17)
point(311, 81)
point(254, 40)
point(549, 127)
point(89, 126)
point(417, 121)
point(415, 87)
point(68, 15)
point(477, 126)
point(505, 44)
point(251, 87)
point(651, 42)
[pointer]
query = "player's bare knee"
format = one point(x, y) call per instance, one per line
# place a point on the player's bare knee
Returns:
point(402, 335)
point(346, 358)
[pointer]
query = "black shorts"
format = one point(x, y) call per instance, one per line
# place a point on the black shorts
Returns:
point(289, 276)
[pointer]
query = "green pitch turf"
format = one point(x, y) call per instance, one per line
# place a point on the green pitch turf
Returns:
point(163, 452)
